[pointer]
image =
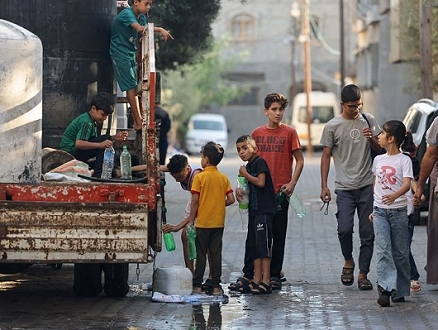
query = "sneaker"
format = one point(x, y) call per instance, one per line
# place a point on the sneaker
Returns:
point(415, 286)
point(384, 296)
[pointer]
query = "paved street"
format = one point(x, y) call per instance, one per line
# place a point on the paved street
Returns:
point(311, 298)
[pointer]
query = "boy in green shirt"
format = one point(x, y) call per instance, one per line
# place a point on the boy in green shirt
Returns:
point(80, 138)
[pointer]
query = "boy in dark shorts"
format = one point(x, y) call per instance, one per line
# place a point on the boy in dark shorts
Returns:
point(261, 212)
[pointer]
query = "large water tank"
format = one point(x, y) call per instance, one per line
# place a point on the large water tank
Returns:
point(21, 63)
point(76, 65)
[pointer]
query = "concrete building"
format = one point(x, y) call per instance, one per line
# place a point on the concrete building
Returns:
point(382, 71)
point(263, 38)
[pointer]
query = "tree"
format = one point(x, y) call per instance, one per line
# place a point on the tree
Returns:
point(198, 88)
point(189, 22)
point(410, 37)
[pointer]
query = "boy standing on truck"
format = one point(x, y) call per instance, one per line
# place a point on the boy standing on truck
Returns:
point(80, 138)
point(211, 193)
point(123, 51)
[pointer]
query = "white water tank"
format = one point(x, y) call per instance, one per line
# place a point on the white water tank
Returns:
point(21, 64)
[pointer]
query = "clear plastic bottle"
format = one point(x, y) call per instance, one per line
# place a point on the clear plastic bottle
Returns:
point(242, 183)
point(108, 163)
point(125, 164)
point(191, 244)
point(297, 206)
point(294, 202)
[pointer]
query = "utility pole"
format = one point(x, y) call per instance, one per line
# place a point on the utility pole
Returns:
point(425, 50)
point(307, 74)
point(341, 39)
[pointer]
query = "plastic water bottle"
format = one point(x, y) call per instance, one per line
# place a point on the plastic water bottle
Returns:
point(297, 206)
point(169, 242)
point(108, 163)
point(125, 164)
point(191, 245)
point(242, 183)
point(294, 202)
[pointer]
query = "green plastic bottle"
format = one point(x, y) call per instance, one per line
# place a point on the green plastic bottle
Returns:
point(169, 242)
point(191, 244)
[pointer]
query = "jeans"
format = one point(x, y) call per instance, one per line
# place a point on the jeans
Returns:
point(414, 270)
point(392, 250)
point(348, 201)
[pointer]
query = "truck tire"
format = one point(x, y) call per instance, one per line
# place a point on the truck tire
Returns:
point(13, 268)
point(87, 280)
point(116, 279)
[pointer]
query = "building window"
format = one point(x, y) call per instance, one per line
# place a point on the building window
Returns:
point(249, 98)
point(243, 27)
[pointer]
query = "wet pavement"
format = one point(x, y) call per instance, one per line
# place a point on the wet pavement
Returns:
point(311, 298)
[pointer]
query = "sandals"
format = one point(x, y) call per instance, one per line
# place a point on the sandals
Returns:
point(275, 283)
point(240, 285)
point(347, 276)
point(415, 286)
point(364, 284)
point(207, 285)
point(261, 288)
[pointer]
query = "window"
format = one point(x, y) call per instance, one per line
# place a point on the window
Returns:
point(320, 115)
point(249, 98)
point(208, 125)
point(243, 27)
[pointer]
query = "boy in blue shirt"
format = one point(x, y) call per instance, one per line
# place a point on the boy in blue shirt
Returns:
point(123, 50)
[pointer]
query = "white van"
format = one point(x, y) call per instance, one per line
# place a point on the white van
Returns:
point(204, 127)
point(325, 106)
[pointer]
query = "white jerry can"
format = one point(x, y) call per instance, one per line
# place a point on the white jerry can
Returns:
point(174, 280)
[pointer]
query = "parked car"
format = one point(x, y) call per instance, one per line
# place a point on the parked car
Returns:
point(204, 127)
point(417, 120)
point(417, 117)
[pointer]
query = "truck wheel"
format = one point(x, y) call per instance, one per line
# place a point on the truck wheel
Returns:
point(13, 268)
point(116, 280)
point(87, 280)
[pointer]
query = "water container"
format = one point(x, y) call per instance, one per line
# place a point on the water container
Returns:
point(75, 36)
point(21, 63)
point(108, 163)
point(125, 164)
point(191, 241)
point(176, 280)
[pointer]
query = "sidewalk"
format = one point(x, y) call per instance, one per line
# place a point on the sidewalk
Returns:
point(313, 296)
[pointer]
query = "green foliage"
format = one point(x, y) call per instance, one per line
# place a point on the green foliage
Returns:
point(195, 88)
point(189, 22)
point(410, 39)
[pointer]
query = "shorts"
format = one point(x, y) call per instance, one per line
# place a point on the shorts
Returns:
point(125, 71)
point(260, 235)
